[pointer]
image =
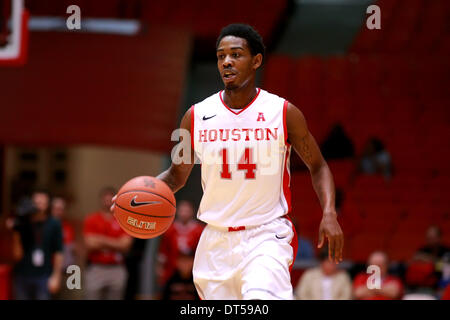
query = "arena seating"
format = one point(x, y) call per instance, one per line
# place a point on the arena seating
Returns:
point(393, 85)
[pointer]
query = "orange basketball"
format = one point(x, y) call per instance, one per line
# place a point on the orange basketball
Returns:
point(145, 207)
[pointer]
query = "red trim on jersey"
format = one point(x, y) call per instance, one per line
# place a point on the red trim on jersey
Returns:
point(286, 174)
point(223, 102)
point(233, 229)
point(284, 122)
point(192, 127)
point(286, 180)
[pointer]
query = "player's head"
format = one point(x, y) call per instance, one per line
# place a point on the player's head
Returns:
point(240, 52)
point(106, 195)
point(185, 211)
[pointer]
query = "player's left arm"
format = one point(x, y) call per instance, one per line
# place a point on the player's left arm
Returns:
point(306, 147)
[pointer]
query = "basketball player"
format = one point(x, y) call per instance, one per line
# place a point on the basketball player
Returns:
point(243, 136)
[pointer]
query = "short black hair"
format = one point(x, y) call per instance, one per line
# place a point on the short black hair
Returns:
point(247, 32)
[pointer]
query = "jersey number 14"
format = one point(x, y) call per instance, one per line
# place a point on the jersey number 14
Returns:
point(243, 164)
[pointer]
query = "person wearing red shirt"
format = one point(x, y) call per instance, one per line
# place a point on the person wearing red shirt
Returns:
point(446, 293)
point(106, 244)
point(182, 236)
point(391, 286)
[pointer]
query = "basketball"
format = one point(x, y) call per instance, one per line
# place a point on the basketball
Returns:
point(145, 207)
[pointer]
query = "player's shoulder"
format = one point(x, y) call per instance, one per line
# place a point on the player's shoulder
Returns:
point(266, 95)
point(271, 98)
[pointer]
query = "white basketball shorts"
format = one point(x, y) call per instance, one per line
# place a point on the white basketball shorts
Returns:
point(248, 264)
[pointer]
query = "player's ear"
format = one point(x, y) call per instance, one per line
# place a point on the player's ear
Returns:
point(257, 61)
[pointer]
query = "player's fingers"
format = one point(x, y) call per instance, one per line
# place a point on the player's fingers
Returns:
point(114, 203)
point(341, 249)
point(338, 249)
point(321, 239)
point(331, 247)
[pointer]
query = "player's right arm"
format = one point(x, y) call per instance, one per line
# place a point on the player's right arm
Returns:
point(177, 174)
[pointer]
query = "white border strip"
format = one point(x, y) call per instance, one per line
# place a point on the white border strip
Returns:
point(91, 25)
point(12, 49)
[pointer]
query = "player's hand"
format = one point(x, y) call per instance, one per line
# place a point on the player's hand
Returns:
point(114, 203)
point(330, 228)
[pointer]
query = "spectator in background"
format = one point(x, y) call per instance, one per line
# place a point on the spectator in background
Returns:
point(391, 286)
point(337, 145)
point(305, 249)
point(425, 268)
point(375, 159)
point(444, 282)
point(181, 286)
point(38, 273)
point(446, 293)
point(133, 261)
point(434, 249)
point(58, 211)
point(325, 282)
point(182, 236)
point(106, 244)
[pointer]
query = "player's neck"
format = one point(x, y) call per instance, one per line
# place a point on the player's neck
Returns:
point(239, 98)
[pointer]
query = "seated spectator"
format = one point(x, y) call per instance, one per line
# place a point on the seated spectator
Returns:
point(181, 286)
point(434, 249)
point(337, 145)
point(183, 235)
point(375, 159)
point(445, 271)
point(325, 282)
point(426, 267)
point(391, 286)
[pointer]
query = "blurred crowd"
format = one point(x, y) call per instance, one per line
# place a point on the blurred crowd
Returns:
point(39, 244)
point(43, 244)
point(426, 276)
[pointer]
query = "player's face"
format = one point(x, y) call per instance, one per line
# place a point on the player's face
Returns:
point(236, 63)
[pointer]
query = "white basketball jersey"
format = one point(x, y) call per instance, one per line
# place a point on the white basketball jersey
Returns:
point(244, 158)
